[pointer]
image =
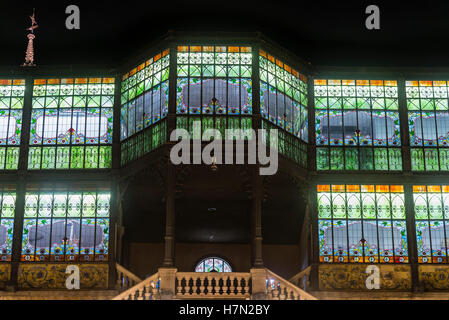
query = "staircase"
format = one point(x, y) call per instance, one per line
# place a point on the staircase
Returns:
point(172, 285)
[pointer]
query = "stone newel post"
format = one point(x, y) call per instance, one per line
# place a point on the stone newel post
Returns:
point(168, 283)
point(259, 284)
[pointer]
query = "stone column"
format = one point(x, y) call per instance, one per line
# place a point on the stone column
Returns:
point(21, 185)
point(315, 259)
point(170, 217)
point(411, 238)
point(256, 220)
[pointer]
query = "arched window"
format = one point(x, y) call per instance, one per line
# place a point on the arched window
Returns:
point(213, 264)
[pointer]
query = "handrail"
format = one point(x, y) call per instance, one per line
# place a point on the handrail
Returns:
point(145, 290)
point(280, 289)
point(300, 276)
point(125, 278)
point(128, 273)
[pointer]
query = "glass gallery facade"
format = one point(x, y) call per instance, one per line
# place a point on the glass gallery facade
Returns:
point(375, 146)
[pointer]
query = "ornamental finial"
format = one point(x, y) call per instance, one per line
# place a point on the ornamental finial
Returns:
point(29, 57)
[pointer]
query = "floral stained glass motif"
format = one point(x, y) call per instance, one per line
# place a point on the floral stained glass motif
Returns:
point(213, 264)
point(66, 226)
point(283, 96)
point(12, 94)
point(71, 123)
point(144, 95)
point(428, 115)
point(214, 80)
point(7, 212)
point(431, 204)
point(357, 125)
point(362, 224)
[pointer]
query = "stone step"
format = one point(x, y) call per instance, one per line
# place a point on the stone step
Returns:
point(59, 295)
point(379, 295)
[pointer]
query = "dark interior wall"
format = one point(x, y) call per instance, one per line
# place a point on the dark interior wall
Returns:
point(283, 260)
point(145, 258)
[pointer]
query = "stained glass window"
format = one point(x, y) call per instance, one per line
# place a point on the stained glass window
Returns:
point(362, 224)
point(143, 142)
point(213, 264)
point(66, 226)
point(214, 80)
point(428, 113)
point(71, 123)
point(432, 223)
point(144, 96)
point(357, 125)
point(7, 211)
point(283, 96)
point(12, 94)
point(287, 145)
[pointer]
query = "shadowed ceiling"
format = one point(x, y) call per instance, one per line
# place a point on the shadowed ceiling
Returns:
point(213, 206)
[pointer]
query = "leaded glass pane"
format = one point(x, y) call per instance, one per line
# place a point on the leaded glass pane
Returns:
point(70, 118)
point(359, 117)
point(428, 115)
point(431, 207)
point(366, 224)
point(66, 227)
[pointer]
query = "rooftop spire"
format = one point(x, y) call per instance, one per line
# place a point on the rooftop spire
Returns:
point(29, 57)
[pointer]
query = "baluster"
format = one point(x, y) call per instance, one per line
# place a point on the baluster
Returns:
point(276, 293)
point(282, 295)
point(148, 291)
point(209, 285)
point(235, 286)
point(246, 284)
point(224, 288)
point(119, 281)
point(240, 286)
point(291, 295)
point(202, 287)
point(194, 286)
point(231, 285)
point(219, 284)
point(143, 293)
point(307, 281)
point(179, 287)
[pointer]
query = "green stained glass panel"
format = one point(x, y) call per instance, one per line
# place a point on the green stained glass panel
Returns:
point(337, 159)
point(351, 159)
point(324, 205)
point(420, 206)
point(381, 159)
point(383, 206)
point(353, 206)
point(417, 156)
point(338, 205)
point(368, 206)
point(322, 159)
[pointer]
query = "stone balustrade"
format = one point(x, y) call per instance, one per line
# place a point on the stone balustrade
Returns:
point(280, 289)
point(168, 283)
point(222, 285)
point(125, 279)
point(147, 289)
point(302, 279)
